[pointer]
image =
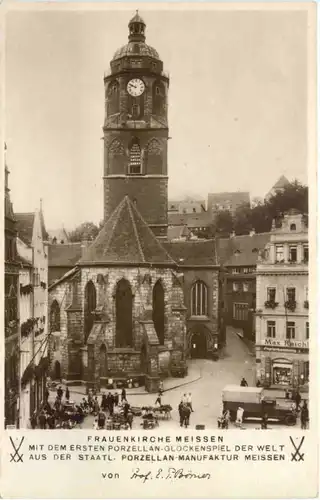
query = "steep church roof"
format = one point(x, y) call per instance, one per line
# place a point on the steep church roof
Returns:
point(24, 226)
point(125, 239)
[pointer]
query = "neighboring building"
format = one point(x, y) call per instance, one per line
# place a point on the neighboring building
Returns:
point(227, 201)
point(239, 255)
point(62, 258)
point(34, 362)
point(282, 320)
point(11, 307)
point(187, 206)
point(59, 236)
point(202, 285)
point(197, 223)
point(278, 187)
point(119, 311)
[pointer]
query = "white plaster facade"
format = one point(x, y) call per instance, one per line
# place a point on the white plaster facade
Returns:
point(282, 319)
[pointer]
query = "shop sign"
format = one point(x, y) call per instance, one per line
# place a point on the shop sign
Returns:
point(286, 343)
point(284, 349)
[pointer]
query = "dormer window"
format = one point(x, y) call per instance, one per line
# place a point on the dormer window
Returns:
point(293, 227)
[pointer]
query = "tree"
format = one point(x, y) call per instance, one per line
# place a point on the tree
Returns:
point(86, 231)
point(243, 219)
point(223, 222)
point(294, 195)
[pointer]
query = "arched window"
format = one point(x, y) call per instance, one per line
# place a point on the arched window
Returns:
point(113, 98)
point(55, 317)
point(158, 310)
point(90, 303)
point(135, 163)
point(124, 302)
point(293, 227)
point(199, 299)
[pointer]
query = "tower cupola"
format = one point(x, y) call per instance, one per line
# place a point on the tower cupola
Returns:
point(137, 28)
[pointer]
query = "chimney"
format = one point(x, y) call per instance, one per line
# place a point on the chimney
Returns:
point(252, 232)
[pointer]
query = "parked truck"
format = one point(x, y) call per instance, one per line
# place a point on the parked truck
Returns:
point(255, 404)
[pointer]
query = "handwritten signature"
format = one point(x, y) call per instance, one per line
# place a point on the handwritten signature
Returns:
point(170, 473)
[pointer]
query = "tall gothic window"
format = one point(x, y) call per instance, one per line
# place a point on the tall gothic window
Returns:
point(199, 299)
point(124, 302)
point(135, 160)
point(158, 311)
point(90, 303)
point(55, 317)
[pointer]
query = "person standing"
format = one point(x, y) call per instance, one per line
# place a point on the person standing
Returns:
point(297, 400)
point(123, 395)
point(187, 413)
point(158, 400)
point(180, 410)
point(67, 394)
point(304, 416)
point(126, 407)
point(189, 401)
point(184, 399)
point(101, 420)
point(243, 382)
point(59, 392)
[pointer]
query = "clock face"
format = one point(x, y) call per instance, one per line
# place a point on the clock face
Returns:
point(136, 87)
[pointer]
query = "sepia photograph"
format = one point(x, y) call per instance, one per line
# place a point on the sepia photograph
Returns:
point(157, 183)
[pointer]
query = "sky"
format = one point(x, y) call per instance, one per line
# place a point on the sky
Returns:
point(237, 103)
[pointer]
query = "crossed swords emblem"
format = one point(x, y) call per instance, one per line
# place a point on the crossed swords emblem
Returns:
point(16, 456)
point(296, 456)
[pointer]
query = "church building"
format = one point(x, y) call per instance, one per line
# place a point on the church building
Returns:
point(123, 310)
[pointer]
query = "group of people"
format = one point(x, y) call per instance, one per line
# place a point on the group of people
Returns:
point(59, 415)
point(112, 406)
point(185, 409)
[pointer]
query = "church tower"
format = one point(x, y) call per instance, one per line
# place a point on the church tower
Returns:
point(136, 130)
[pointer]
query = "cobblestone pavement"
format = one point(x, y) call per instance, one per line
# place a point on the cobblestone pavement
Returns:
point(236, 362)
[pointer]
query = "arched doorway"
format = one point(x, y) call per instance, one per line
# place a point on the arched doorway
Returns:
point(124, 302)
point(158, 310)
point(90, 303)
point(198, 347)
point(57, 371)
point(103, 369)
